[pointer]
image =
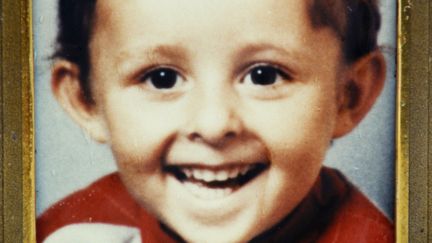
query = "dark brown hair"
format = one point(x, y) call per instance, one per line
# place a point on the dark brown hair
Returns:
point(355, 22)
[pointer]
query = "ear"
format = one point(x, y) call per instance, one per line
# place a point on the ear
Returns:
point(359, 90)
point(65, 84)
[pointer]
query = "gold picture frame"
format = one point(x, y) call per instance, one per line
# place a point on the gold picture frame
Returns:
point(413, 126)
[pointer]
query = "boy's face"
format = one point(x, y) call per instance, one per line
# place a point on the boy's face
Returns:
point(218, 113)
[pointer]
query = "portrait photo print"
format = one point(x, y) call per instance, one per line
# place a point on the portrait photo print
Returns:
point(215, 121)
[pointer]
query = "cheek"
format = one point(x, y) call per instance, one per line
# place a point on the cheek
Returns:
point(297, 133)
point(139, 131)
point(139, 135)
point(301, 124)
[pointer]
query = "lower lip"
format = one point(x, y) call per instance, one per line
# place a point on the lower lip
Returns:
point(203, 192)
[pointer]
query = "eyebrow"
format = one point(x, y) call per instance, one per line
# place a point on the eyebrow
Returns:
point(129, 59)
point(255, 48)
point(293, 57)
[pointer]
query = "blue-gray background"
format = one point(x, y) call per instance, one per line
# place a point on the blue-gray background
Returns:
point(66, 159)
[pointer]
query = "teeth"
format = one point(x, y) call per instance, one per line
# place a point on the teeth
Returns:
point(207, 175)
point(244, 170)
point(234, 172)
point(187, 172)
point(222, 175)
point(197, 174)
point(199, 180)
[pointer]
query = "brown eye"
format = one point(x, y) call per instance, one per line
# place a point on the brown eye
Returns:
point(161, 78)
point(265, 75)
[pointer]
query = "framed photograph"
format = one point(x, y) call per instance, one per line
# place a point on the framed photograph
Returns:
point(126, 102)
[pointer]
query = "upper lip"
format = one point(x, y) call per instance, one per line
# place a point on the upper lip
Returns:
point(197, 155)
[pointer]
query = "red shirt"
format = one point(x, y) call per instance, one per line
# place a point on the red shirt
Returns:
point(334, 211)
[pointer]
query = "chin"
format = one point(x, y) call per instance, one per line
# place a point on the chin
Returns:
point(216, 234)
point(239, 229)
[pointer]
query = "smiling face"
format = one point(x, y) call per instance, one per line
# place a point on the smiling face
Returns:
point(218, 113)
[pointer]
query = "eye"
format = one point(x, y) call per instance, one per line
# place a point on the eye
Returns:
point(265, 75)
point(162, 78)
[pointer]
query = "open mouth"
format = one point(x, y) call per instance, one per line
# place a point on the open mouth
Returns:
point(213, 183)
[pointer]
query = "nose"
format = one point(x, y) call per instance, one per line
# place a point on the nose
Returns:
point(215, 120)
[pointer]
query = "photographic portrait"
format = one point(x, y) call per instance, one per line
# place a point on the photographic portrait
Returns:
point(75, 150)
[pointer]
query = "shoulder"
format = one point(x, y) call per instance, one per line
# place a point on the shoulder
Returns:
point(104, 201)
point(356, 218)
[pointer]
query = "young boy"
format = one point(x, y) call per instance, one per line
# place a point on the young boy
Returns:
point(219, 114)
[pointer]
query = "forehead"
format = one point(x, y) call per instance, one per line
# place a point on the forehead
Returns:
point(124, 26)
point(204, 10)
point(231, 17)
